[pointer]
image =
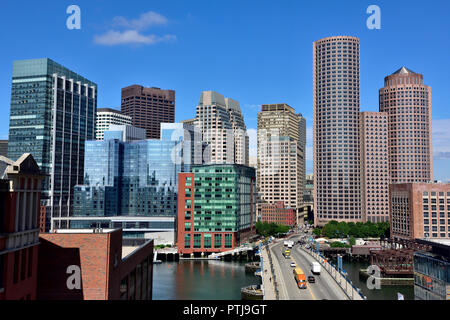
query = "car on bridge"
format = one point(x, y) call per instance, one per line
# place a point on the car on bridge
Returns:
point(293, 264)
point(311, 279)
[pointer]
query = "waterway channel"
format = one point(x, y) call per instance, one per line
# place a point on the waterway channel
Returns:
point(201, 280)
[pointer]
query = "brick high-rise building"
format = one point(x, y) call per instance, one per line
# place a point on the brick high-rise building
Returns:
point(407, 101)
point(336, 131)
point(148, 107)
point(374, 166)
point(20, 192)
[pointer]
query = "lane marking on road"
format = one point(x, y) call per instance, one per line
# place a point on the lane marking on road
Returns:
point(307, 285)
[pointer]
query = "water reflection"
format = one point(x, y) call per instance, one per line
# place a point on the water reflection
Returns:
point(200, 280)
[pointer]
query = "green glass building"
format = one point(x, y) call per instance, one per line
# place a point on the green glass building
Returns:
point(52, 114)
point(216, 208)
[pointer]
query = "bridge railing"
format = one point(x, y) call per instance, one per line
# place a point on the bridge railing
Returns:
point(343, 281)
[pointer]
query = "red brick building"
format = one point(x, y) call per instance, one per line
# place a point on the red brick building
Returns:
point(277, 213)
point(96, 259)
point(420, 210)
point(20, 192)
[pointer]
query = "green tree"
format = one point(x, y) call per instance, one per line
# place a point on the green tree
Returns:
point(352, 241)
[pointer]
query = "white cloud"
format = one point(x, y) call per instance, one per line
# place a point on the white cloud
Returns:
point(441, 139)
point(146, 20)
point(133, 31)
point(112, 38)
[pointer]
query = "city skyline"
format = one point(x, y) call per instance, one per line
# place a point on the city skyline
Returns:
point(151, 145)
point(273, 65)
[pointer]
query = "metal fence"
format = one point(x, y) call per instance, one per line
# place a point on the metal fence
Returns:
point(341, 279)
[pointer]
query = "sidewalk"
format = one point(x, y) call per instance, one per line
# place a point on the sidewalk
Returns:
point(266, 273)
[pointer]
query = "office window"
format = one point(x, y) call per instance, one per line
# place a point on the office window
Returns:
point(207, 241)
point(228, 241)
point(187, 240)
point(217, 241)
point(197, 240)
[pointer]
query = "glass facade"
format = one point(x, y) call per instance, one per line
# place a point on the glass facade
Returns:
point(52, 114)
point(223, 198)
point(133, 178)
point(431, 276)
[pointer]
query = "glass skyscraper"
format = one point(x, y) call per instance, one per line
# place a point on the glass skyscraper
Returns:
point(52, 114)
point(135, 178)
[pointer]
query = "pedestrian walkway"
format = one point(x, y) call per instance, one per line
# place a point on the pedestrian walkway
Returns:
point(267, 277)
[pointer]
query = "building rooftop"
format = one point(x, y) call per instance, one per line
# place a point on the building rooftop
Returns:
point(108, 110)
point(403, 70)
point(82, 231)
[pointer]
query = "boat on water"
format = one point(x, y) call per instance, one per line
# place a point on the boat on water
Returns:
point(253, 292)
point(252, 266)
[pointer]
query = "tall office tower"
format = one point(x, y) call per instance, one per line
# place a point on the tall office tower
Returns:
point(241, 139)
point(223, 128)
point(107, 117)
point(4, 148)
point(337, 186)
point(134, 184)
point(374, 166)
point(302, 141)
point(148, 107)
point(52, 115)
point(407, 101)
point(281, 156)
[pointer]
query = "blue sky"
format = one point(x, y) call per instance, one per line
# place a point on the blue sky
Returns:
point(256, 52)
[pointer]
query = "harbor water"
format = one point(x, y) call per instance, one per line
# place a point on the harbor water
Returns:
point(201, 280)
point(385, 293)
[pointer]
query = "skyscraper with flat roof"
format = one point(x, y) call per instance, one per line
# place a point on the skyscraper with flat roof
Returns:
point(52, 115)
point(148, 107)
point(336, 131)
point(107, 117)
point(407, 101)
point(281, 155)
point(374, 166)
